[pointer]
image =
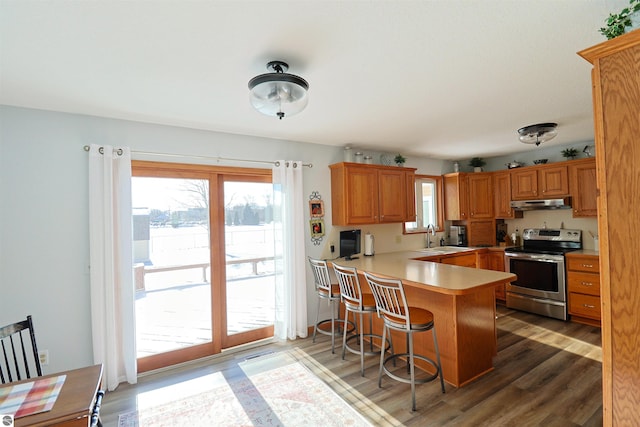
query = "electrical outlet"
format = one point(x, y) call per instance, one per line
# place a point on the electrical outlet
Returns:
point(398, 239)
point(43, 355)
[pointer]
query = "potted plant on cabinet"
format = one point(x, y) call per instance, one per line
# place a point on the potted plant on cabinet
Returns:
point(569, 153)
point(399, 159)
point(620, 23)
point(477, 163)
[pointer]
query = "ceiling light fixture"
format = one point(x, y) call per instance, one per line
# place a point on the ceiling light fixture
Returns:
point(278, 93)
point(539, 133)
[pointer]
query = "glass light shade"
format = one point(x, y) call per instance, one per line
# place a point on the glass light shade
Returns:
point(278, 94)
point(537, 134)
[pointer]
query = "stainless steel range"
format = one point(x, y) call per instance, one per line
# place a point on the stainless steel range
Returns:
point(540, 267)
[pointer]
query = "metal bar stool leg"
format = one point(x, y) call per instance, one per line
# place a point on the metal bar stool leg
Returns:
point(413, 371)
point(315, 326)
point(333, 326)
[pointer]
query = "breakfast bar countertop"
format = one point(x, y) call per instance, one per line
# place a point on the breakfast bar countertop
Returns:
point(462, 300)
point(442, 278)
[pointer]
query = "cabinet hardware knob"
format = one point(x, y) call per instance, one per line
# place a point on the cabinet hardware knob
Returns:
point(587, 265)
point(587, 283)
point(588, 306)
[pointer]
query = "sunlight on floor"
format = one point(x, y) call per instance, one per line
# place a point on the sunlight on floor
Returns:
point(559, 340)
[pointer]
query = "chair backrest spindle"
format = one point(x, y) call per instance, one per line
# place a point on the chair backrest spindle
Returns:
point(350, 289)
point(321, 275)
point(18, 358)
point(391, 301)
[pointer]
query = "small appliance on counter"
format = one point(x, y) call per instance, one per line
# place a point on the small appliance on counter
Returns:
point(368, 244)
point(349, 244)
point(458, 235)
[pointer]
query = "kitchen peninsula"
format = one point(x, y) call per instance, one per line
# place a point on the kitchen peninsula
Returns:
point(462, 301)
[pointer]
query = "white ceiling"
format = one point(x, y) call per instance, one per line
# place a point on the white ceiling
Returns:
point(448, 79)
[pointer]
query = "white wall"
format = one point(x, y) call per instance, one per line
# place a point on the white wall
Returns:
point(44, 242)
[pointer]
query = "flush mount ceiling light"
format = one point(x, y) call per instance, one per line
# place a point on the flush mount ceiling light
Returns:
point(537, 134)
point(278, 93)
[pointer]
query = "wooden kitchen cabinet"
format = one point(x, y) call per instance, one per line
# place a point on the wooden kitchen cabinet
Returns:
point(539, 182)
point(371, 194)
point(502, 196)
point(616, 108)
point(456, 197)
point(583, 186)
point(496, 263)
point(468, 196)
point(480, 187)
point(481, 232)
point(583, 288)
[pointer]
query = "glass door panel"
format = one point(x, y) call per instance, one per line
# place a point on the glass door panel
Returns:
point(249, 248)
point(171, 264)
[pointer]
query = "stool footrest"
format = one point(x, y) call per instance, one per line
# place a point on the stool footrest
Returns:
point(357, 337)
point(408, 380)
point(338, 326)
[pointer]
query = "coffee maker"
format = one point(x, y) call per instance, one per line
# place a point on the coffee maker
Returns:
point(458, 235)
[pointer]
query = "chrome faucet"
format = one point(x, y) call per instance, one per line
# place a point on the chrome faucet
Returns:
point(431, 231)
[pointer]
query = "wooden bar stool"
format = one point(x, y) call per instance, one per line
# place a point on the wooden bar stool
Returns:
point(397, 315)
point(331, 293)
point(358, 303)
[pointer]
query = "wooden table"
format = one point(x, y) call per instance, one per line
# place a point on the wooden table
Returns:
point(462, 301)
point(75, 403)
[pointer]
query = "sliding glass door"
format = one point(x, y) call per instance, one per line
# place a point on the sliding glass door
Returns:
point(203, 268)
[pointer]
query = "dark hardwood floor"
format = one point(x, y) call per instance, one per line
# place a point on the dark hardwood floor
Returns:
point(547, 373)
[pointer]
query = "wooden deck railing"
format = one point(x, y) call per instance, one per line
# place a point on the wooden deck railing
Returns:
point(140, 271)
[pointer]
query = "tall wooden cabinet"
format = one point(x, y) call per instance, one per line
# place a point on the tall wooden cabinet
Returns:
point(371, 194)
point(469, 198)
point(616, 105)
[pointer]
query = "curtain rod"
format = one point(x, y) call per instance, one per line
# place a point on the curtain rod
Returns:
point(228, 159)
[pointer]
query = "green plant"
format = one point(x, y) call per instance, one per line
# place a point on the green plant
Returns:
point(399, 159)
point(569, 152)
point(477, 162)
point(618, 22)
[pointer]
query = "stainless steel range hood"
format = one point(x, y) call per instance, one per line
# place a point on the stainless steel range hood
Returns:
point(535, 205)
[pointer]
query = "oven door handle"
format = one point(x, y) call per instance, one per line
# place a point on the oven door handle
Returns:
point(544, 301)
point(533, 258)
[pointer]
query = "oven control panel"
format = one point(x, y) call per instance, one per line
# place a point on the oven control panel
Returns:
point(553, 234)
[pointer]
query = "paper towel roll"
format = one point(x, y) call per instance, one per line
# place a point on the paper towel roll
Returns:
point(368, 244)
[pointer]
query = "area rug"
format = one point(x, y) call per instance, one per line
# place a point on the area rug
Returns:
point(270, 390)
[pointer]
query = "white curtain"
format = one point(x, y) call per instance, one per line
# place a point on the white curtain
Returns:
point(110, 242)
point(291, 288)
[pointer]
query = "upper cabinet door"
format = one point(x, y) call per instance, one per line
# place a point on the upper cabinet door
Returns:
point(583, 184)
point(502, 195)
point(480, 195)
point(362, 196)
point(456, 197)
point(554, 181)
point(393, 195)
point(524, 184)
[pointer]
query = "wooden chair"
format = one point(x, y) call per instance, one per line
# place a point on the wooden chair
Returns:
point(330, 292)
point(19, 361)
point(397, 315)
point(358, 303)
